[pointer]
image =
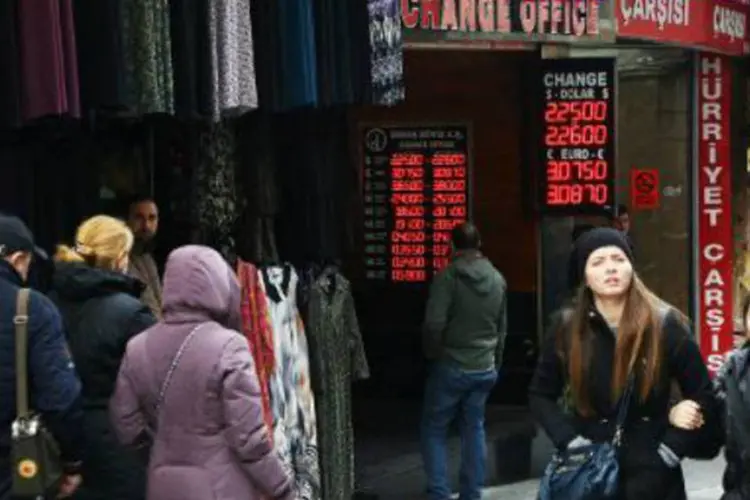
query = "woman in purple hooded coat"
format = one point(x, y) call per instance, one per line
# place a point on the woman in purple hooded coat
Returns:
point(190, 382)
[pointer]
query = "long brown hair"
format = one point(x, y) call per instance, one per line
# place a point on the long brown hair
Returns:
point(639, 337)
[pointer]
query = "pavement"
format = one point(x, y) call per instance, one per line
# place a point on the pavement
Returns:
point(403, 479)
point(702, 478)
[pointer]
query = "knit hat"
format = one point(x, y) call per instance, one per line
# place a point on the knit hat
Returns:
point(591, 241)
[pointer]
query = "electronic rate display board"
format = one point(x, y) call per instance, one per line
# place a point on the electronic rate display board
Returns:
point(578, 135)
point(416, 190)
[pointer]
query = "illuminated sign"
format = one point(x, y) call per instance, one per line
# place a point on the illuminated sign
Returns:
point(530, 17)
point(416, 189)
point(578, 135)
point(713, 210)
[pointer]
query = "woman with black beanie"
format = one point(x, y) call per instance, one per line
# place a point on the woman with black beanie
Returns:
point(616, 326)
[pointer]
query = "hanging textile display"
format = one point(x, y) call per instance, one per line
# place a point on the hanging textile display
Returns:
point(48, 59)
point(10, 68)
point(256, 176)
point(101, 59)
point(256, 327)
point(232, 63)
point(292, 399)
point(148, 55)
point(337, 358)
point(191, 58)
point(387, 52)
point(297, 52)
point(217, 202)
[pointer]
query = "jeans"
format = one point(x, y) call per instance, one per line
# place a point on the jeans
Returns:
point(452, 392)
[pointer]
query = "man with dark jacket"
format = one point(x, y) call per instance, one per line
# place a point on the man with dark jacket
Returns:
point(464, 334)
point(54, 388)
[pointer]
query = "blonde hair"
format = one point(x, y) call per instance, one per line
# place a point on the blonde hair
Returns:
point(101, 241)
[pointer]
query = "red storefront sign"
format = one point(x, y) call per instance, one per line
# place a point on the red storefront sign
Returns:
point(530, 17)
point(715, 25)
point(644, 188)
point(714, 213)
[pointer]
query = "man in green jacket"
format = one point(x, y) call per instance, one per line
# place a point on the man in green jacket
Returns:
point(464, 333)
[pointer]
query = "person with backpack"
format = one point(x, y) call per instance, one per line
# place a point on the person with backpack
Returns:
point(54, 388)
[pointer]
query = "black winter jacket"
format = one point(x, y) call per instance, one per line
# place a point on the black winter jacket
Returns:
point(736, 369)
point(101, 311)
point(53, 386)
point(643, 473)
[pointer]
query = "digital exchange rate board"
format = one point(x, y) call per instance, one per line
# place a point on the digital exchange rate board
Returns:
point(416, 190)
point(578, 135)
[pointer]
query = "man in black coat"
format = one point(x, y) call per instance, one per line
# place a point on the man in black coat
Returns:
point(54, 385)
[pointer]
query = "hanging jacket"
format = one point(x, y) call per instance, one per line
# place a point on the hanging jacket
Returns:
point(101, 313)
point(210, 438)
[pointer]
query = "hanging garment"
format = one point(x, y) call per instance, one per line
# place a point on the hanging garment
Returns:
point(387, 52)
point(298, 54)
point(256, 327)
point(148, 55)
point(101, 59)
point(10, 68)
point(337, 51)
point(216, 200)
point(232, 63)
point(337, 358)
point(49, 64)
point(292, 400)
point(191, 57)
point(257, 180)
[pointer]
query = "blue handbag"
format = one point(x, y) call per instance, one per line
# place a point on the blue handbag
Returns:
point(589, 472)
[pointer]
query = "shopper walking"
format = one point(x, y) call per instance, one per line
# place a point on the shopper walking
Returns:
point(616, 326)
point(55, 391)
point(101, 311)
point(189, 386)
point(464, 333)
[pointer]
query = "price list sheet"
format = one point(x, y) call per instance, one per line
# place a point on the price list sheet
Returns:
point(416, 190)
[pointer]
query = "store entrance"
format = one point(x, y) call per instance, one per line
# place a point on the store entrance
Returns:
point(465, 112)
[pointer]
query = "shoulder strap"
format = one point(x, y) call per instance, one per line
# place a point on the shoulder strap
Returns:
point(21, 322)
point(627, 395)
point(622, 409)
point(172, 368)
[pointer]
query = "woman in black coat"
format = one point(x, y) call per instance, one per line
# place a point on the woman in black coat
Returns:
point(101, 311)
point(732, 385)
point(614, 325)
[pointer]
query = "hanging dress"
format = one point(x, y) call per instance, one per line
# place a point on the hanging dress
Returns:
point(337, 358)
point(101, 56)
point(49, 63)
point(10, 68)
point(191, 58)
point(387, 52)
point(233, 89)
point(256, 327)
point(216, 200)
point(148, 55)
point(298, 54)
point(292, 400)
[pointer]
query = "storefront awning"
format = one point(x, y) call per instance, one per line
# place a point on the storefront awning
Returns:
point(711, 25)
